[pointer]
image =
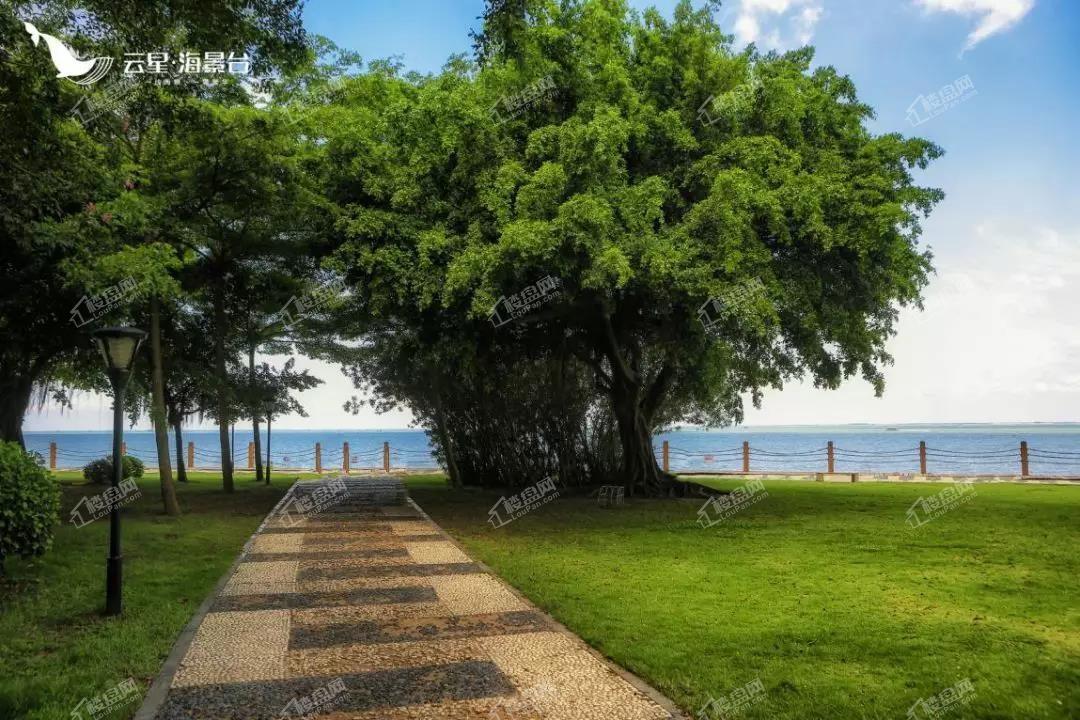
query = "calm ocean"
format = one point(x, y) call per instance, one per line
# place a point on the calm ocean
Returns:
point(1054, 449)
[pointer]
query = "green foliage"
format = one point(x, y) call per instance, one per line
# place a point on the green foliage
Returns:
point(665, 170)
point(29, 504)
point(100, 471)
point(51, 169)
point(655, 170)
point(79, 210)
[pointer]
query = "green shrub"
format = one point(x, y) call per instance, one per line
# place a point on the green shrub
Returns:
point(101, 471)
point(29, 503)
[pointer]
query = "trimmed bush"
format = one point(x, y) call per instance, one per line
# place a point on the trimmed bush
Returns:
point(29, 504)
point(100, 471)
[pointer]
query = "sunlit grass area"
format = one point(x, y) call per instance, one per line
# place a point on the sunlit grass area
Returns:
point(56, 646)
point(822, 592)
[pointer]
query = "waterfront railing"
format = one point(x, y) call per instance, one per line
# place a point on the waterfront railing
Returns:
point(828, 460)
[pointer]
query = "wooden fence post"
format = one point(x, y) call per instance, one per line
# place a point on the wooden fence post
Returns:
point(191, 454)
point(1024, 469)
point(318, 458)
point(667, 457)
point(832, 458)
point(922, 457)
point(386, 456)
point(52, 456)
point(345, 458)
point(251, 456)
point(746, 456)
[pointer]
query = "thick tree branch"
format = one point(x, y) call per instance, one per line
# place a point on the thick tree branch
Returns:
point(611, 348)
point(657, 391)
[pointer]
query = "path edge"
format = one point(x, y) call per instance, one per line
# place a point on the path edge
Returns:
point(666, 704)
point(159, 689)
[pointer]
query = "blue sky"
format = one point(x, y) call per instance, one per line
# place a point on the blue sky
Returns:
point(999, 339)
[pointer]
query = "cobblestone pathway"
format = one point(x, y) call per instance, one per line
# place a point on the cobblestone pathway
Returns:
point(367, 610)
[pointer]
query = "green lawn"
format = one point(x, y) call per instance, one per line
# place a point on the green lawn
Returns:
point(56, 646)
point(821, 591)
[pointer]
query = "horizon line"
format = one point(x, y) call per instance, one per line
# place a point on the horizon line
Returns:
point(673, 427)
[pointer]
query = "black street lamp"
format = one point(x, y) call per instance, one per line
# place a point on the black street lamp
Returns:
point(118, 345)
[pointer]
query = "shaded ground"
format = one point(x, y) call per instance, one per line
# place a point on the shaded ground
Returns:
point(367, 611)
point(824, 593)
point(57, 649)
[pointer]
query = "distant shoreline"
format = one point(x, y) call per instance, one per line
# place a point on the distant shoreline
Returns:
point(964, 448)
point(873, 427)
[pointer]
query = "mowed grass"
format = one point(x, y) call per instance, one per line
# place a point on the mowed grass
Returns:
point(57, 648)
point(821, 591)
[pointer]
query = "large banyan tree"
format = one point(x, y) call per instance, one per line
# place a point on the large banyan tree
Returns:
point(718, 222)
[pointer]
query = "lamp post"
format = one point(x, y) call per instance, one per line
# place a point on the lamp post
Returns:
point(118, 345)
point(269, 422)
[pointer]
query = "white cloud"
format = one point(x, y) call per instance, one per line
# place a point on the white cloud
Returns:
point(995, 15)
point(999, 341)
point(778, 24)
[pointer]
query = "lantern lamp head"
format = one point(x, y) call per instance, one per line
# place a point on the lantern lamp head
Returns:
point(119, 346)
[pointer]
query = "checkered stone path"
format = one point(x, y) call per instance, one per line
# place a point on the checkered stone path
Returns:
point(350, 604)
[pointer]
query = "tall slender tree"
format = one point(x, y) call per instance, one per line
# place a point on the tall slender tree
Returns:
point(271, 390)
point(236, 189)
point(53, 167)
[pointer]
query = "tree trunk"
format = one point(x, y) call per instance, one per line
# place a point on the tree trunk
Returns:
point(269, 420)
point(181, 468)
point(224, 412)
point(157, 412)
point(634, 410)
point(255, 418)
point(639, 467)
point(448, 448)
point(14, 400)
point(258, 448)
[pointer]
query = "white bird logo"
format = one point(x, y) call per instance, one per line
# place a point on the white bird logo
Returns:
point(70, 66)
